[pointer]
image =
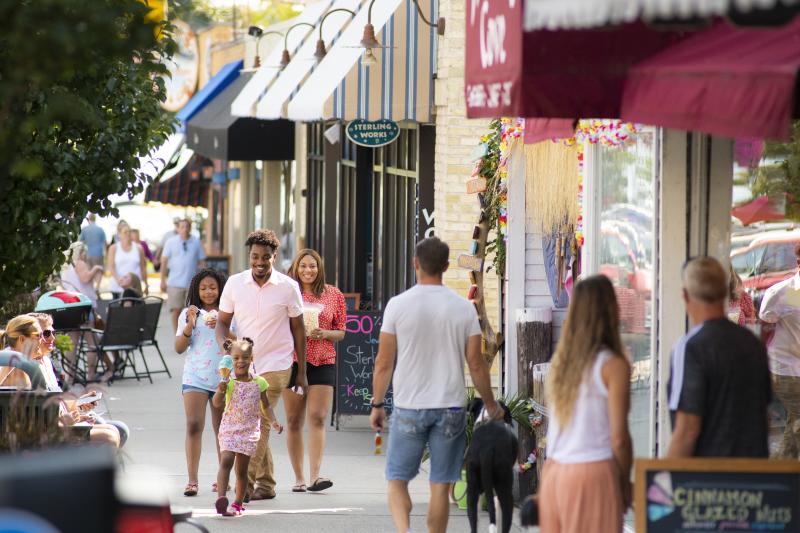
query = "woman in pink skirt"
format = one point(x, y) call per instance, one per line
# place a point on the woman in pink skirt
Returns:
point(240, 428)
point(586, 480)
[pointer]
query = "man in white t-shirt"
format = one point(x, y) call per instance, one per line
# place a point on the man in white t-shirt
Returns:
point(428, 330)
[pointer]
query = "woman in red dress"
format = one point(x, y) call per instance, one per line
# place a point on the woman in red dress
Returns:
point(308, 270)
point(740, 304)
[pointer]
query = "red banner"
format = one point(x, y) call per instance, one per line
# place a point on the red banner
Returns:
point(493, 58)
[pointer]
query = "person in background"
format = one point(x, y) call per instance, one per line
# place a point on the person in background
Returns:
point(309, 272)
point(167, 236)
point(428, 331)
point(586, 479)
point(183, 255)
point(79, 277)
point(196, 337)
point(148, 254)
point(719, 385)
point(94, 238)
point(781, 307)
point(740, 306)
point(125, 257)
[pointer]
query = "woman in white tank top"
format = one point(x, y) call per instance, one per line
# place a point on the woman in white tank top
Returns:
point(125, 257)
point(586, 480)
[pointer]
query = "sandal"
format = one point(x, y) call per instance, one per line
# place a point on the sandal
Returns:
point(236, 509)
point(190, 489)
point(299, 488)
point(321, 483)
point(222, 506)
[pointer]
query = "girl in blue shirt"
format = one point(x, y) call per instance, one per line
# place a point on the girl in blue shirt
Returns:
point(196, 337)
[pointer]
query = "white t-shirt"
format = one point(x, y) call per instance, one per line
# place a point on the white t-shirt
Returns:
point(432, 324)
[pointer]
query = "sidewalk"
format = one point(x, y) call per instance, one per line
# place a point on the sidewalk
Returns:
point(356, 503)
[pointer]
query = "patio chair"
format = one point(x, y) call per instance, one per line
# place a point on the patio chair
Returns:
point(152, 312)
point(123, 334)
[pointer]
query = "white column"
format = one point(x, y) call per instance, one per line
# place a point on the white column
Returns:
point(515, 263)
point(671, 253)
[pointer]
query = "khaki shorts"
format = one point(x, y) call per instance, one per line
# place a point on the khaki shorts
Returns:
point(176, 298)
point(95, 261)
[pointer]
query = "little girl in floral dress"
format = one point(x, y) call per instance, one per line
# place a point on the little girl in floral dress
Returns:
point(241, 422)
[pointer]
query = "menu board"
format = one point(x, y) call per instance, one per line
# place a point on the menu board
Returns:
point(702, 494)
point(355, 363)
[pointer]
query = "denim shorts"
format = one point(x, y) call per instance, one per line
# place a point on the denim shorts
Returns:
point(190, 388)
point(442, 430)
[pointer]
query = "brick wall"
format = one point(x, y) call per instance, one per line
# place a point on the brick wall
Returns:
point(456, 139)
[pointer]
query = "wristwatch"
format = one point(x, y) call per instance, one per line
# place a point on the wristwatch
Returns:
point(377, 405)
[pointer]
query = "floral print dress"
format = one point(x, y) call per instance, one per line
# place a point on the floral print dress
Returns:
point(240, 428)
point(202, 355)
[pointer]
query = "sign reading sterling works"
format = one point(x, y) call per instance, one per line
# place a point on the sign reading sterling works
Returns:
point(372, 133)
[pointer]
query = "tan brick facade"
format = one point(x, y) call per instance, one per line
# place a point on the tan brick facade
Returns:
point(456, 139)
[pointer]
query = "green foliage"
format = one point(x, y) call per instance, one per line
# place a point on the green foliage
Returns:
point(493, 197)
point(202, 13)
point(64, 343)
point(80, 88)
point(779, 172)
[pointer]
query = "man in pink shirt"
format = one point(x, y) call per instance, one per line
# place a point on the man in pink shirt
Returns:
point(269, 309)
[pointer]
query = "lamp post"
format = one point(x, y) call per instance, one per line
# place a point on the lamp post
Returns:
point(257, 32)
point(369, 41)
point(285, 57)
point(320, 52)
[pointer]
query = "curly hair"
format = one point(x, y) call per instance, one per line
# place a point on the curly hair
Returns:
point(263, 237)
point(193, 294)
point(245, 345)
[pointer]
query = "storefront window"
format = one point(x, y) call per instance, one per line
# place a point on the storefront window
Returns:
point(623, 219)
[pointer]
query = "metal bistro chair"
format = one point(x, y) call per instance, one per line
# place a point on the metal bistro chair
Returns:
point(152, 312)
point(124, 328)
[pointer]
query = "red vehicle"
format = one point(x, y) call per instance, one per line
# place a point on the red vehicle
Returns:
point(766, 261)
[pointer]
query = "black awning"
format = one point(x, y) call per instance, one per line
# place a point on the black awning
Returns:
point(217, 134)
point(188, 187)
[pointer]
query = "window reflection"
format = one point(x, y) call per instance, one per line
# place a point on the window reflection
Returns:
point(627, 210)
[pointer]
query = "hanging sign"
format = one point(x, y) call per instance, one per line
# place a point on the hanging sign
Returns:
point(372, 133)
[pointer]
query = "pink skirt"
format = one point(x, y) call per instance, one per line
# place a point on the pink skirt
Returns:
point(580, 498)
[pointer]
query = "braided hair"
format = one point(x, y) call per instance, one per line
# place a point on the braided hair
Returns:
point(245, 345)
point(193, 294)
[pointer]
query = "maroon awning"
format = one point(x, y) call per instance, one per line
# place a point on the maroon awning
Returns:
point(189, 187)
point(725, 80)
point(550, 74)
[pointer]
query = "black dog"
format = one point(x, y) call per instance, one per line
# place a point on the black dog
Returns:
point(490, 462)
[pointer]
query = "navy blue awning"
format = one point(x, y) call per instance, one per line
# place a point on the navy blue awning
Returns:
point(210, 90)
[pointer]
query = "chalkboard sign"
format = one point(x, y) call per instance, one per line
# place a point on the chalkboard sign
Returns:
point(219, 262)
point(355, 363)
point(688, 495)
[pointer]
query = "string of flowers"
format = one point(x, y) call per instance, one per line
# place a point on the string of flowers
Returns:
point(493, 167)
point(606, 132)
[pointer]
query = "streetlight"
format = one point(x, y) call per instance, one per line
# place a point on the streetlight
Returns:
point(369, 42)
point(320, 52)
point(285, 57)
point(257, 32)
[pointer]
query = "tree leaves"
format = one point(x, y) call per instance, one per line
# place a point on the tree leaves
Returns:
point(75, 112)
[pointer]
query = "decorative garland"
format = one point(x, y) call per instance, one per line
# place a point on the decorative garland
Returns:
point(606, 132)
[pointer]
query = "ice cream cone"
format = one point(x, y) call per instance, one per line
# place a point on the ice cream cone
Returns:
point(225, 373)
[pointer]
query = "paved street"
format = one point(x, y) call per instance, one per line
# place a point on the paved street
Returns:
point(357, 502)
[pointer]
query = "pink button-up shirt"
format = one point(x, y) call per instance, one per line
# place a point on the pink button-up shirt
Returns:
point(262, 313)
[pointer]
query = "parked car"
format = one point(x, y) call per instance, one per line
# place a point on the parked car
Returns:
point(767, 260)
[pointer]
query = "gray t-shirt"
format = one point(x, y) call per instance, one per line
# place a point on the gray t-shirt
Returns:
point(432, 324)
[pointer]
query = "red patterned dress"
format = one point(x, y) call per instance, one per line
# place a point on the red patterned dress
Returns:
point(332, 317)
